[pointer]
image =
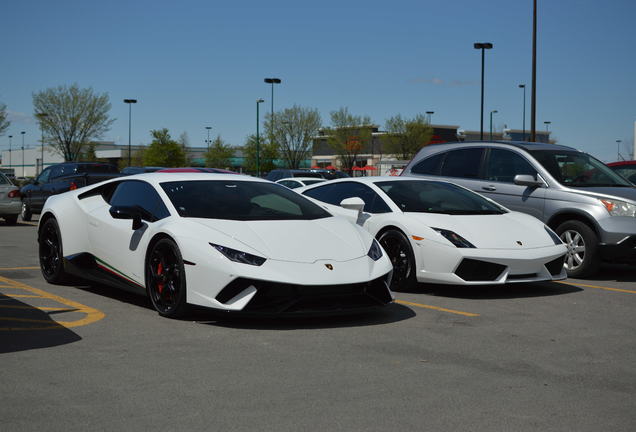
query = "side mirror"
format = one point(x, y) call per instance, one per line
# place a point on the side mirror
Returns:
point(353, 203)
point(122, 212)
point(527, 180)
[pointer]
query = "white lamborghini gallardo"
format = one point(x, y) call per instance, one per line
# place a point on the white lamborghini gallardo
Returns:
point(222, 241)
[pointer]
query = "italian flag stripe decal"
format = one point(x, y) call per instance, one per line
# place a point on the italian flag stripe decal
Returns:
point(104, 265)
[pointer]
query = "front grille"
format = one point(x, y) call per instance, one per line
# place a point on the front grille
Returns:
point(522, 276)
point(555, 266)
point(279, 298)
point(474, 270)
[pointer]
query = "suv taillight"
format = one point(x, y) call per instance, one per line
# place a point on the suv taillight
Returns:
point(14, 194)
point(73, 186)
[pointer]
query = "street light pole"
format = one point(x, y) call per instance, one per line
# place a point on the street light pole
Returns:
point(22, 133)
point(483, 46)
point(42, 116)
point(523, 86)
point(208, 140)
point(618, 149)
point(491, 113)
point(430, 113)
point(533, 97)
point(10, 136)
point(258, 140)
point(272, 81)
point(129, 102)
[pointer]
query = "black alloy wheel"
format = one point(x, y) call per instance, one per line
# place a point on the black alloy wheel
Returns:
point(26, 213)
point(399, 250)
point(50, 253)
point(165, 279)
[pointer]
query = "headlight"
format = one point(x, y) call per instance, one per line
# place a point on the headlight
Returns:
point(619, 208)
point(238, 256)
point(375, 252)
point(555, 238)
point(454, 238)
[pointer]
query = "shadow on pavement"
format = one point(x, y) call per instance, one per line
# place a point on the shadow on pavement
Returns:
point(489, 292)
point(115, 294)
point(614, 273)
point(386, 315)
point(24, 327)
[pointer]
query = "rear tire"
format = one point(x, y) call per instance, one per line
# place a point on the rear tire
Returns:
point(582, 258)
point(11, 220)
point(165, 279)
point(51, 254)
point(399, 250)
point(26, 212)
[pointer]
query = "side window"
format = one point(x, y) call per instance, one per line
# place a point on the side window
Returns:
point(140, 194)
point(290, 184)
point(504, 165)
point(335, 193)
point(56, 171)
point(44, 176)
point(429, 165)
point(463, 163)
point(4, 180)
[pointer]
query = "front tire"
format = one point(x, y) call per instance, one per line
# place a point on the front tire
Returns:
point(26, 213)
point(165, 279)
point(399, 250)
point(50, 253)
point(582, 258)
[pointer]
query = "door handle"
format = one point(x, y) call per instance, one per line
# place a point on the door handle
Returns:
point(489, 188)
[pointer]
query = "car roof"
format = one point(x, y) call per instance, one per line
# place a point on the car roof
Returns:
point(526, 145)
point(319, 179)
point(163, 177)
point(374, 179)
point(622, 163)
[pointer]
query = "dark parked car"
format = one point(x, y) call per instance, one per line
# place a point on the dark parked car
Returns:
point(139, 170)
point(625, 168)
point(61, 178)
point(326, 174)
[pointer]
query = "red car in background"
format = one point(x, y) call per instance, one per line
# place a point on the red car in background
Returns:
point(625, 168)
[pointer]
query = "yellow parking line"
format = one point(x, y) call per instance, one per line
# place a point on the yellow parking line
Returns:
point(599, 287)
point(19, 268)
point(22, 295)
point(38, 307)
point(441, 309)
point(92, 314)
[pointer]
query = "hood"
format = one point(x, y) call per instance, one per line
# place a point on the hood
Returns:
point(491, 231)
point(304, 241)
point(625, 193)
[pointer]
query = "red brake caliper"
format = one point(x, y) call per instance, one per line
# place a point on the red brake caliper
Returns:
point(159, 273)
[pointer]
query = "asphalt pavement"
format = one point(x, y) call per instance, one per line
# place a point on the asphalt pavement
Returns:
point(544, 356)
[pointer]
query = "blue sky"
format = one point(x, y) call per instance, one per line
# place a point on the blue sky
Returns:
point(195, 63)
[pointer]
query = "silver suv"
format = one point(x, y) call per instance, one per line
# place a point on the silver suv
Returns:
point(589, 206)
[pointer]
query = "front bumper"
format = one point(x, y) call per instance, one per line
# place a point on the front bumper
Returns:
point(10, 208)
point(491, 266)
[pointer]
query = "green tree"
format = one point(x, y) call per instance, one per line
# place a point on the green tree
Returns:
point(268, 154)
point(405, 137)
point(4, 121)
point(348, 136)
point(293, 131)
point(219, 154)
point(75, 116)
point(163, 151)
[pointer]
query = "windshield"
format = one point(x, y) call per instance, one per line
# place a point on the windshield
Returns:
point(423, 196)
point(240, 200)
point(577, 169)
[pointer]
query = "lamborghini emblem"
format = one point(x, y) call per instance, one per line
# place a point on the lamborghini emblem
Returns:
point(519, 243)
point(329, 266)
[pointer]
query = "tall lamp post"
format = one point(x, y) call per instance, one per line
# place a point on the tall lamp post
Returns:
point(430, 113)
point(42, 116)
point(618, 149)
point(483, 46)
point(523, 86)
point(22, 133)
point(533, 94)
point(491, 113)
point(258, 139)
point(129, 102)
point(272, 81)
point(10, 137)
point(208, 140)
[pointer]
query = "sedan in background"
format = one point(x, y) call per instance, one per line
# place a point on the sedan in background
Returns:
point(436, 231)
point(222, 241)
point(296, 182)
point(625, 168)
point(10, 202)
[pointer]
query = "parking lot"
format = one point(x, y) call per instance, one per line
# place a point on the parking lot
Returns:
point(544, 356)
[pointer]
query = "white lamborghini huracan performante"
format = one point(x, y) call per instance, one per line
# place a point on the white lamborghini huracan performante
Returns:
point(436, 231)
point(222, 241)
